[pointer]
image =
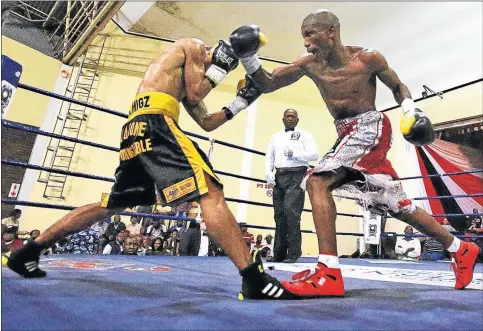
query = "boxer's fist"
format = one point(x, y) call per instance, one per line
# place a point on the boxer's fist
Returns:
point(223, 60)
point(247, 93)
point(417, 128)
point(247, 90)
point(246, 40)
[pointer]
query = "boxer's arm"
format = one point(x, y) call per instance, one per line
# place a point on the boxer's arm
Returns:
point(196, 85)
point(280, 77)
point(203, 118)
point(388, 76)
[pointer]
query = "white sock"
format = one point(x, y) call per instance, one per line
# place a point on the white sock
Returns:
point(330, 261)
point(453, 248)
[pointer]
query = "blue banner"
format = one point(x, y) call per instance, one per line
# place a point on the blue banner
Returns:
point(11, 72)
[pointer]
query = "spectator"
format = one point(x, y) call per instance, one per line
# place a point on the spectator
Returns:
point(173, 243)
point(83, 242)
point(407, 247)
point(100, 227)
point(258, 242)
point(145, 221)
point(178, 226)
point(9, 241)
point(432, 250)
point(289, 153)
point(247, 236)
point(269, 241)
point(12, 221)
point(131, 245)
point(134, 228)
point(447, 225)
point(157, 247)
point(116, 247)
point(145, 248)
point(32, 235)
point(266, 252)
point(476, 222)
point(114, 228)
point(156, 229)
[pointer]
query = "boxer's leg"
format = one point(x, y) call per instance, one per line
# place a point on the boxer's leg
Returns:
point(25, 260)
point(425, 223)
point(77, 220)
point(465, 254)
point(224, 230)
point(327, 278)
point(319, 187)
point(223, 226)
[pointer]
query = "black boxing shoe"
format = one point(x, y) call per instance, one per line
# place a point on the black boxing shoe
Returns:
point(25, 260)
point(257, 284)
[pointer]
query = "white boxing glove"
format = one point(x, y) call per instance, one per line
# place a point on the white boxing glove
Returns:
point(270, 178)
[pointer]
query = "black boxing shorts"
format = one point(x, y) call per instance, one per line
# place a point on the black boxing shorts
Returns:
point(156, 153)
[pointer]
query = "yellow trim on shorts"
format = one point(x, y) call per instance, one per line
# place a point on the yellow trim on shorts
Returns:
point(194, 158)
point(159, 103)
point(104, 200)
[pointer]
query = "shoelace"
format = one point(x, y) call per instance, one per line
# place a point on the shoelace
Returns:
point(304, 275)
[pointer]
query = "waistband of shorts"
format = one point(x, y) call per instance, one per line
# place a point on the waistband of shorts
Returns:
point(349, 120)
point(291, 169)
point(154, 103)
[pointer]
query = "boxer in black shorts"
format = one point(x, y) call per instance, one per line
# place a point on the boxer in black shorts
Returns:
point(156, 153)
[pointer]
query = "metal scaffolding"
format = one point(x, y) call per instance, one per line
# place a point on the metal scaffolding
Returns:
point(69, 25)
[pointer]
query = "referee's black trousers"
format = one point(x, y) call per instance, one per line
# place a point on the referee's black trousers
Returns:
point(288, 202)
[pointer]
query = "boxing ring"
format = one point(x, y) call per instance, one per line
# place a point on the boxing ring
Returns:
point(93, 292)
point(96, 292)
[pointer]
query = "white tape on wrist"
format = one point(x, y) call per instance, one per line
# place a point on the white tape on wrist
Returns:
point(408, 105)
point(215, 74)
point(237, 105)
point(251, 64)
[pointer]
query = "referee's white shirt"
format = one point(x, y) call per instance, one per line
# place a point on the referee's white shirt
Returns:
point(300, 141)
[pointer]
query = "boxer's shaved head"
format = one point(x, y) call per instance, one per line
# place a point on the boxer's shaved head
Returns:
point(322, 18)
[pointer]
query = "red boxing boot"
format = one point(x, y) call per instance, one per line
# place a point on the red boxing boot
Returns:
point(323, 282)
point(464, 264)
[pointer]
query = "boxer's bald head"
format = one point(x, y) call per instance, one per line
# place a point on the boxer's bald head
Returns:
point(322, 18)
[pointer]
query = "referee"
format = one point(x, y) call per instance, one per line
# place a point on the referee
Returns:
point(289, 152)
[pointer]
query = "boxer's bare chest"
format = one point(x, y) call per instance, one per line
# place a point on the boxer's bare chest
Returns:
point(348, 81)
point(347, 90)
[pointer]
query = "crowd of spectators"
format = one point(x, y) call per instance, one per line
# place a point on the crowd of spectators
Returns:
point(157, 236)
